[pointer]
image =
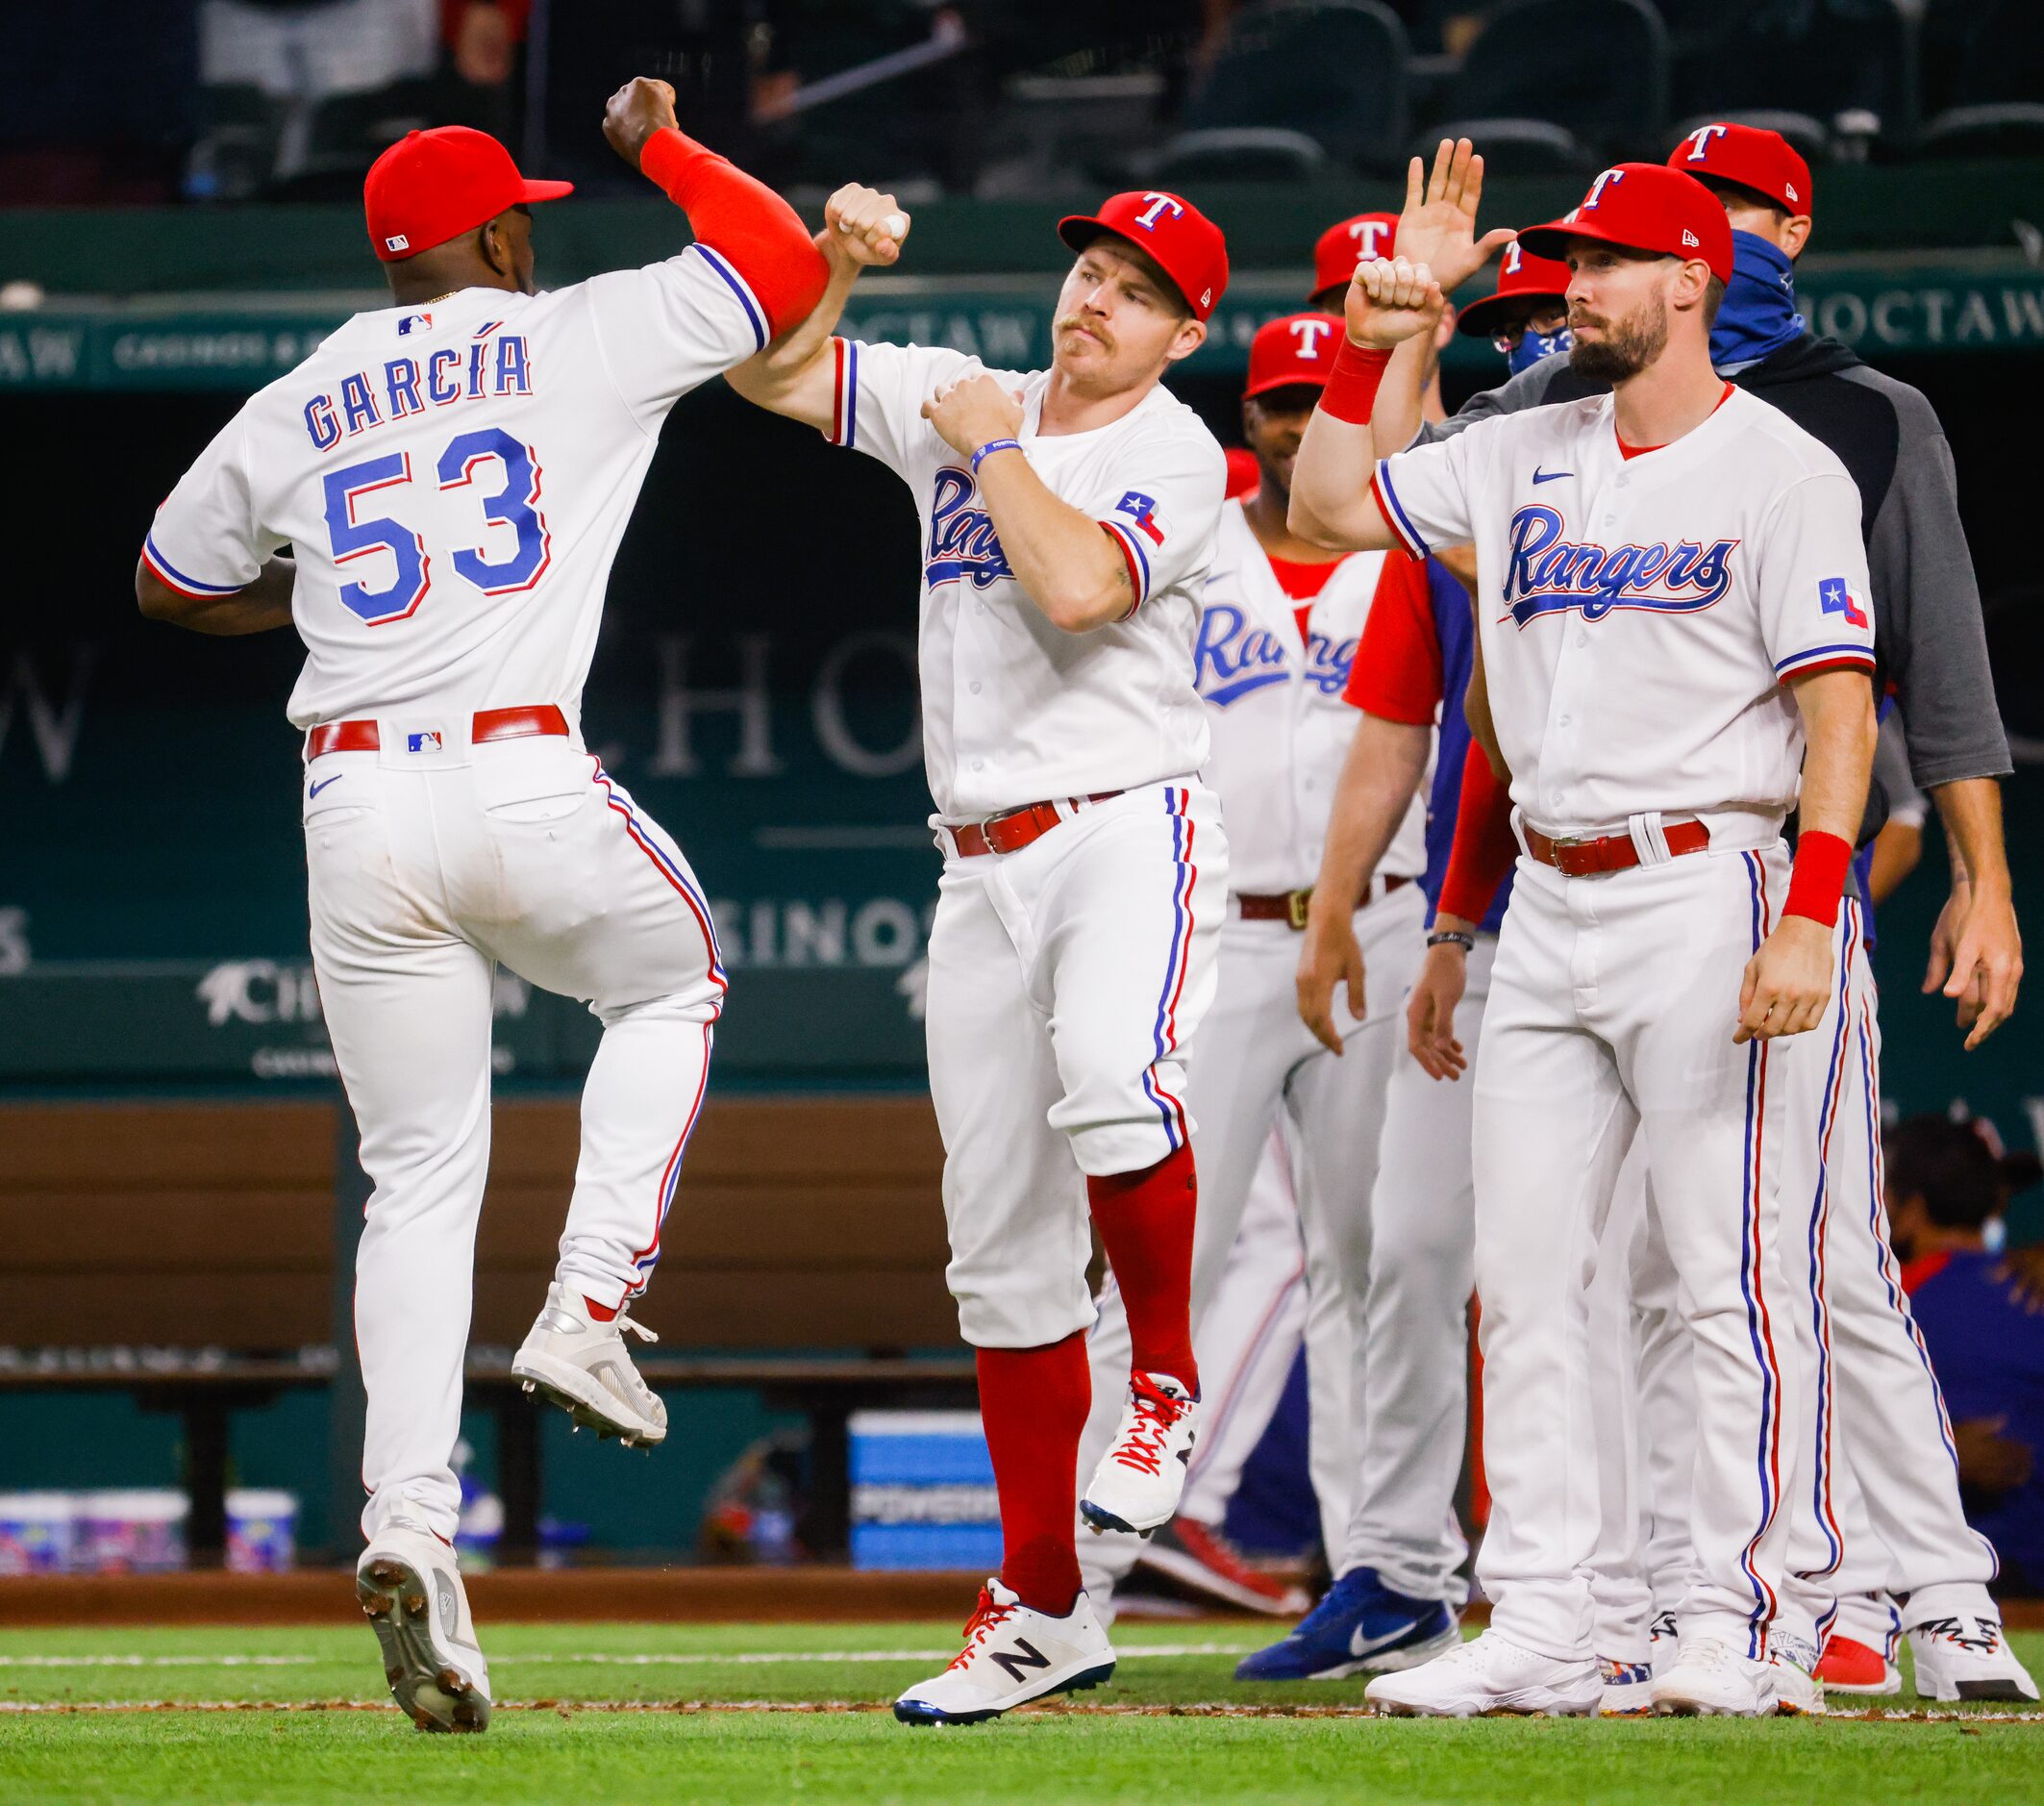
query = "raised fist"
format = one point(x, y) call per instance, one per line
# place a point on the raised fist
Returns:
point(642, 107)
point(864, 226)
point(1391, 300)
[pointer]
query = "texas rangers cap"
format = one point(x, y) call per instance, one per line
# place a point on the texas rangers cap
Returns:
point(1751, 156)
point(1182, 241)
point(1521, 277)
point(1643, 206)
point(1291, 352)
point(1343, 245)
point(433, 185)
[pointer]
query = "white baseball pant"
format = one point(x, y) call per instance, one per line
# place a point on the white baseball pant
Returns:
point(1612, 1007)
point(1260, 1057)
point(1416, 1359)
point(426, 871)
point(1066, 983)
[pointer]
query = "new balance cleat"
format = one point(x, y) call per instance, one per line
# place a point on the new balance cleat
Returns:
point(409, 1586)
point(1967, 1658)
point(1141, 1479)
point(1709, 1679)
point(1199, 1557)
point(1013, 1654)
point(1627, 1689)
point(581, 1363)
point(1849, 1667)
point(1360, 1626)
point(1489, 1676)
point(1798, 1687)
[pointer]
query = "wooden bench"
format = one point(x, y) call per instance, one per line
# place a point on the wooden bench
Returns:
point(199, 1256)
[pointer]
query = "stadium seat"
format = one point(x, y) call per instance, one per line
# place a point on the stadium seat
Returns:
point(1526, 147)
point(1528, 68)
point(1983, 79)
point(1845, 65)
point(1334, 70)
point(1248, 153)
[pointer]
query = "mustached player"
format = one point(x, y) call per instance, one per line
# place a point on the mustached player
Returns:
point(453, 472)
point(1672, 615)
point(1067, 524)
point(1277, 635)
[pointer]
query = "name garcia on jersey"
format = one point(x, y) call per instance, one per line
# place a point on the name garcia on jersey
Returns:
point(494, 366)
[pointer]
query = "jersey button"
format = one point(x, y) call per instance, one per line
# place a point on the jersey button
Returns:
point(979, 764)
point(1583, 638)
point(975, 687)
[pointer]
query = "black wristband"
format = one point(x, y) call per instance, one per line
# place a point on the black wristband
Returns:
point(1452, 936)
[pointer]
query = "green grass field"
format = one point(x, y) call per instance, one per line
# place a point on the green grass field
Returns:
point(660, 1713)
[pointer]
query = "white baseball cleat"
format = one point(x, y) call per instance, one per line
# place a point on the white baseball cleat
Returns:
point(1628, 1688)
point(1967, 1658)
point(1709, 1679)
point(1013, 1654)
point(410, 1588)
point(1141, 1479)
point(1488, 1675)
point(583, 1366)
point(1664, 1641)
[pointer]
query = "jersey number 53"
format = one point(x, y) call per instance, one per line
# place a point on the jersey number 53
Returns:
point(515, 505)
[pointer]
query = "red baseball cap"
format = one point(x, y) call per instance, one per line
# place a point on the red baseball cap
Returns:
point(1346, 243)
point(1751, 156)
point(1297, 349)
point(1643, 206)
point(1183, 242)
point(433, 185)
point(1521, 276)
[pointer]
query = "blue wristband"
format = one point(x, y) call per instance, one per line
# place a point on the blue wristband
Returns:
point(991, 446)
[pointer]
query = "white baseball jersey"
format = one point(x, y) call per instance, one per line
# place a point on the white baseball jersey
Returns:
point(1639, 618)
point(1281, 725)
point(1015, 710)
point(453, 479)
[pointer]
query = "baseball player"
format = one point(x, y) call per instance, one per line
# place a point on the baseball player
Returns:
point(1279, 628)
point(1397, 1580)
point(1672, 621)
point(1853, 1331)
point(1069, 523)
point(452, 472)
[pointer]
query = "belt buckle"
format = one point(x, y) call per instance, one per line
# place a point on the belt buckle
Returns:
point(1295, 902)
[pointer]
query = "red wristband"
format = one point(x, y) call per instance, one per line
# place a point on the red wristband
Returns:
point(1818, 879)
point(1351, 391)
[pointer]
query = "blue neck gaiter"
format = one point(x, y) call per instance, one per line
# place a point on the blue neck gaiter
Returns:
point(1758, 314)
point(1533, 346)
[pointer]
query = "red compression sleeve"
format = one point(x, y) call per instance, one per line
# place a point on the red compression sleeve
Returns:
point(1818, 879)
point(1351, 384)
point(1484, 847)
point(758, 232)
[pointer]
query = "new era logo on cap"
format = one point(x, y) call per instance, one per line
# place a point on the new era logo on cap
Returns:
point(1688, 239)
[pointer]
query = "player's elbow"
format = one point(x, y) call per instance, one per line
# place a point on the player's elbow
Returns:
point(1080, 610)
point(155, 598)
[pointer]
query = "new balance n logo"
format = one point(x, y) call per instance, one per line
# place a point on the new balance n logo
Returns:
point(1024, 1655)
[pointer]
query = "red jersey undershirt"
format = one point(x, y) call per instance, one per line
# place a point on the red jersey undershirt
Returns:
point(1631, 452)
point(1301, 582)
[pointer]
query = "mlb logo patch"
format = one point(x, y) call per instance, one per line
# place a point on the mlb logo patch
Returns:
point(414, 323)
point(1834, 595)
point(426, 742)
point(1142, 511)
point(397, 243)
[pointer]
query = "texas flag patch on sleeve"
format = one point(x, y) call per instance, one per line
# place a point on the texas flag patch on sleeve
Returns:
point(1133, 525)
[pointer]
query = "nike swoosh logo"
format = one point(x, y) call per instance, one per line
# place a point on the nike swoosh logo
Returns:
point(1361, 1645)
point(1550, 476)
point(322, 785)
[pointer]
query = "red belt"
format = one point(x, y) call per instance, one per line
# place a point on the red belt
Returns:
point(1575, 858)
point(1290, 906)
point(1013, 829)
point(489, 724)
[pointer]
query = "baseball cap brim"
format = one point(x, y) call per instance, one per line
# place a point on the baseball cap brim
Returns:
point(1080, 230)
point(1285, 379)
point(1553, 239)
point(1487, 317)
point(532, 191)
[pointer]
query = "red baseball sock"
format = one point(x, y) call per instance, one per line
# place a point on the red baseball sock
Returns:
point(1033, 1402)
point(1145, 1221)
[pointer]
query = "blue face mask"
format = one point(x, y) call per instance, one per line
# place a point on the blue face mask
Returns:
point(1533, 346)
point(1758, 314)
